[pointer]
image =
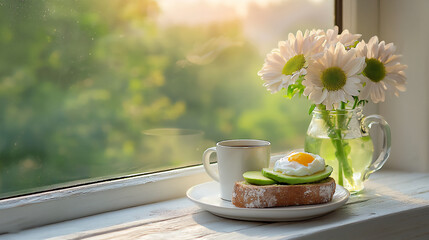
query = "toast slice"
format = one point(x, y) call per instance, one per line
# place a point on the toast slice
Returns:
point(246, 195)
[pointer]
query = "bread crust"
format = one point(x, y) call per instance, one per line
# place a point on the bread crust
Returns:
point(246, 195)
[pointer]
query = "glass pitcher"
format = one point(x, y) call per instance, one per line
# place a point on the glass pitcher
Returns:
point(342, 138)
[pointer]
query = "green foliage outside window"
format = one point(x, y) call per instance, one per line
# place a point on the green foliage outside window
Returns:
point(87, 89)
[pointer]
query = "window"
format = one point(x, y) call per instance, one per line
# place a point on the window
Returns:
point(93, 90)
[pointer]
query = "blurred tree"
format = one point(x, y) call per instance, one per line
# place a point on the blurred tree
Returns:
point(83, 85)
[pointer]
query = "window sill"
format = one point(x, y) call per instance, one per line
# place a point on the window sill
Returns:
point(390, 199)
point(75, 202)
point(50, 207)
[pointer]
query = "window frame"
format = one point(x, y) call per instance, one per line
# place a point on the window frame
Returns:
point(56, 205)
point(39, 209)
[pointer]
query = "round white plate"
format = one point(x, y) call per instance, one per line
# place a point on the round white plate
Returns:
point(207, 196)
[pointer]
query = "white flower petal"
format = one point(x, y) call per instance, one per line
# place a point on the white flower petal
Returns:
point(378, 95)
point(329, 100)
point(272, 70)
point(291, 38)
point(349, 97)
point(392, 60)
point(399, 84)
point(271, 75)
point(307, 90)
point(394, 81)
point(372, 47)
point(389, 49)
point(318, 96)
point(381, 50)
point(396, 68)
point(354, 80)
point(354, 66)
point(336, 56)
point(351, 89)
point(365, 92)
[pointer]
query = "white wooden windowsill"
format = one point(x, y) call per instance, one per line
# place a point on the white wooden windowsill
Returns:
point(394, 205)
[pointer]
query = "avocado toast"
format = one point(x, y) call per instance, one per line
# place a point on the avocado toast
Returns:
point(268, 188)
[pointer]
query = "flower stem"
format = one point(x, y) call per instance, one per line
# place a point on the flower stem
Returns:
point(341, 156)
point(340, 174)
point(335, 134)
point(355, 103)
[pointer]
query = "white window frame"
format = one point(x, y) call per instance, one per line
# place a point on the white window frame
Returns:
point(59, 205)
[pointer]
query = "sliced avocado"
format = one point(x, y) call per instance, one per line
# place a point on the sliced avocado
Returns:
point(289, 179)
point(256, 177)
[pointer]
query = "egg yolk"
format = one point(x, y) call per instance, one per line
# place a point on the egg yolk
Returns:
point(301, 158)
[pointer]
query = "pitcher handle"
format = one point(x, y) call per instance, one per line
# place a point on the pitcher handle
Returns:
point(367, 123)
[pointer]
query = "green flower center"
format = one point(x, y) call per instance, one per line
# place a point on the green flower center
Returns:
point(333, 78)
point(374, 70)
point(294, 64)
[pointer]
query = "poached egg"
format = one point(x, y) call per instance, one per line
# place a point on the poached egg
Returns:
point(300, 164)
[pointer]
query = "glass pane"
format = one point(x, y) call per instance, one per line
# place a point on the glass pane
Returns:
point(95, 89)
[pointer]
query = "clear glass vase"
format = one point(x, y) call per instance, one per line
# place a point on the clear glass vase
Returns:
point(342, 138)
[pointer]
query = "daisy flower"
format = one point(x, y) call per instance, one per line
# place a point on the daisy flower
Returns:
point(346, 38)
point(383, 72)
point(285, 64)
point(333, 78)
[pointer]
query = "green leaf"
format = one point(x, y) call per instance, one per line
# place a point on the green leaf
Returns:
point(362, 102)
point(299, 80)
point(353, 45)
point(290, 91)
point(295, 88)
point(311, 109)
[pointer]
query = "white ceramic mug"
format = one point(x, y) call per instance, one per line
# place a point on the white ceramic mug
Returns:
point(234, 157)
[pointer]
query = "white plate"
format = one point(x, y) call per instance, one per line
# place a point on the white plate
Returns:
point(207, 196)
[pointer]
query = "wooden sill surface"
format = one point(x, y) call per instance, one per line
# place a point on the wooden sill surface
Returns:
point(394, 205)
